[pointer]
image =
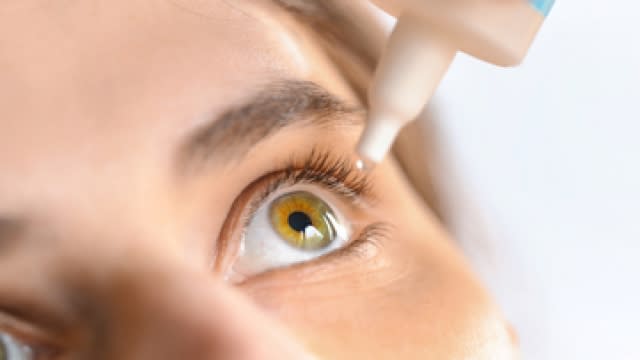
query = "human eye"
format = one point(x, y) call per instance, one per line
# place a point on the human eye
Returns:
point(312, 208)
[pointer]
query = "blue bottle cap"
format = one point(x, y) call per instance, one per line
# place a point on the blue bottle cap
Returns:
point(543, 6)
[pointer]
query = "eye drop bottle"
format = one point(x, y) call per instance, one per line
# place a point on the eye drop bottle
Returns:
point(426, 38)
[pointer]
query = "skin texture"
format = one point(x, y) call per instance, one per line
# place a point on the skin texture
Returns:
point(112, 251)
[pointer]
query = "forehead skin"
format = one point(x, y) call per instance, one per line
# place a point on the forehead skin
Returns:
point(125, 79)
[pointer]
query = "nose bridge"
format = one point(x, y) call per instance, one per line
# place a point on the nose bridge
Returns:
point(144, 306)
point(172, 311)
point(150, 314)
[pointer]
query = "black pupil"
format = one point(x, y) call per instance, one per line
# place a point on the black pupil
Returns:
point(299, 221)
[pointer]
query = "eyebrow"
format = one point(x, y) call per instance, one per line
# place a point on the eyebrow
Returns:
point(277, 106)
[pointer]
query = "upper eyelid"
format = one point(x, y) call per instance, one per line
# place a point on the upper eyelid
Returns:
point(336, 173)
point(313, 174)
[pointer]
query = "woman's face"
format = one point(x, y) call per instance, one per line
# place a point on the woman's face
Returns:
point(149, 149)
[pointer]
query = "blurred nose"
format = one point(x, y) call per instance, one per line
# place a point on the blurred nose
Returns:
point(182, 313)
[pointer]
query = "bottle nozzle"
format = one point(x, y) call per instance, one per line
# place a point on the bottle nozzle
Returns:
point(364, 164)
point(376, 140)
point(409, 71)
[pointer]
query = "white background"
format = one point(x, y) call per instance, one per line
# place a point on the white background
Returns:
point(542, 173)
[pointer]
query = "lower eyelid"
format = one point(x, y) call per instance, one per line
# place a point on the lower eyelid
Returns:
point(366, 246)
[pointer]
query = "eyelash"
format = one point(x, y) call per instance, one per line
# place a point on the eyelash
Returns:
point(321, 167)
point(336, 174)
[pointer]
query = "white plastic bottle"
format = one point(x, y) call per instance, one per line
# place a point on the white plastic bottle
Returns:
point(422, 46)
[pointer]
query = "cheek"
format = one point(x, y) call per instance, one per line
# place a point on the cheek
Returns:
point(410, 296)
point(450, 314)
point(413, 299)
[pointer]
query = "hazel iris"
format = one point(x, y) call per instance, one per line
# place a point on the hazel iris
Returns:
point(303, 220)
